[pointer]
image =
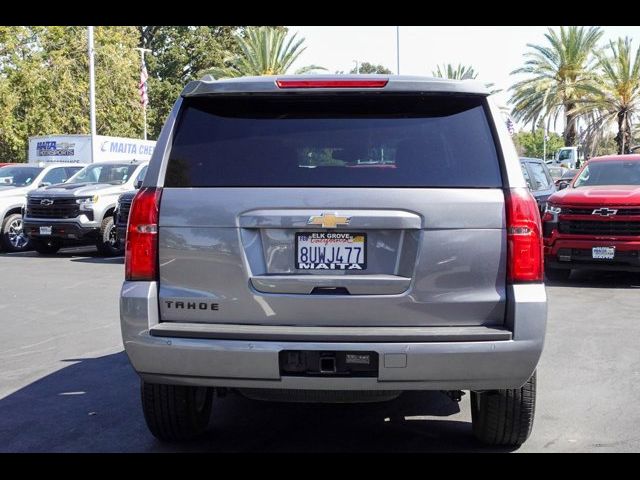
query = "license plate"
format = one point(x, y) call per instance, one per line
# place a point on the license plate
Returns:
point(45, 230)
point(331, 251)
point(606, 253)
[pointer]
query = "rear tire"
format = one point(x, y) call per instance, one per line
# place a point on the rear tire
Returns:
point(46, 247)
point(176, 412)
point(504, 417)
point(12, 236)
point(108, 244)
point(558, 274)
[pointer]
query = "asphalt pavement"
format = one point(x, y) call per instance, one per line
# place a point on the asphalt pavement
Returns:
point(66, 384)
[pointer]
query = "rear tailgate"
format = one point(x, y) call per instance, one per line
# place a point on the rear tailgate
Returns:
point(341, 210)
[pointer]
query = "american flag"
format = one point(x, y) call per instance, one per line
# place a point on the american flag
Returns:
point(142, 86)
point(510, 126)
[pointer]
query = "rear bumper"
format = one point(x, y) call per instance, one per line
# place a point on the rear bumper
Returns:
point(442, 363)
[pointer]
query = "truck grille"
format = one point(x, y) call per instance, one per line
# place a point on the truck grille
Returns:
point(589, 211)
point(123, 212)
point(580, 227)
point(60, 208)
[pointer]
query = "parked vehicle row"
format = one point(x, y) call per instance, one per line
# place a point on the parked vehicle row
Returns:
point(48, 207)
point(81, 210)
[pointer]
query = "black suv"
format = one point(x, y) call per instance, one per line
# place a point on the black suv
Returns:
point(539, 179)
point(122, 215)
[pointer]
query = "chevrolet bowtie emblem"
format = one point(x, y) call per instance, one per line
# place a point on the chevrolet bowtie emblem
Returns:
point(329, 220)
point(604, 211)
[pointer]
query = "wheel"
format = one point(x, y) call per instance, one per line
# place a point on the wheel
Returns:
point(557, 274)
point(176, 412)
point(46, 247)
point(12, 237)
point(504, 417)
point(108, 244)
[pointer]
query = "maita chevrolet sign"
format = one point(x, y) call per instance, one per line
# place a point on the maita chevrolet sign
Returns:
point(77, 149)
point(127, 147)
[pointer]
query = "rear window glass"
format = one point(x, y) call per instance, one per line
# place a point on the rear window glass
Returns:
point(333, 141)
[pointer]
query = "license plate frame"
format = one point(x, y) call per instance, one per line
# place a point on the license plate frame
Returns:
point(358, 266)
point(603, 253)
point(46, 230)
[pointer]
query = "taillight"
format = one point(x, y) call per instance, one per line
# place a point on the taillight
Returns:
point(524, 237)
point(332, 83)
point(141, 253)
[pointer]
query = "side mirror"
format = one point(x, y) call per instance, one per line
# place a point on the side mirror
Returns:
point(44, 184)
point(138, 184)
point(563, 185)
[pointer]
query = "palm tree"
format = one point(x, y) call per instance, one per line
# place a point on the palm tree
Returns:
point(561, 73)
point(461, 72)
point(616, 96)
point(264, 51)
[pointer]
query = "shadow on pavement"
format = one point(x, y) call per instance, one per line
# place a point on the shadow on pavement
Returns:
point(599, 279)
point(83, 254)
point(97, 259)
point(68, 252)
point(93, 405)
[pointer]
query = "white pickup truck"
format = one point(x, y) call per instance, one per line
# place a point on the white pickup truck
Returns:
point(82, 210)
point(15, 182)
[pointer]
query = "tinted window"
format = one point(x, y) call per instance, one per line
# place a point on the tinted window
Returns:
point(333, 141)
point(610, 172)
point(55, 175)
point(540, 179)
point(142, 173)
point(565, 155)
point(114, 173)
point(18, 176)
point(525, 173)
point(569, 174)
point(72, 170)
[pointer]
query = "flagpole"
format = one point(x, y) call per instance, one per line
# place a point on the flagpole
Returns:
point(144, 106)
point(92, 90)
point(398, 49)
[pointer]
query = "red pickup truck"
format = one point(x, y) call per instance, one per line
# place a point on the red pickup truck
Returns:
point(594, 223)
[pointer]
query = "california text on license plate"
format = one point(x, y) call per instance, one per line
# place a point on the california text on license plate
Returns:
point(606, 253)
point(331, 251)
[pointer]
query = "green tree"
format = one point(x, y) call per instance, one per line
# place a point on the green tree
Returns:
point(263, 51)
point(531, 144)
point(366, 67)
point(616, 99)
point(561, 73)
point(178, 55)
point(606, 145)
point(44, 84)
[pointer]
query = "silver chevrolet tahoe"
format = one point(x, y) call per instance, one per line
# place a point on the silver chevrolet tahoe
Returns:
point(81, 210)
point(334, 238)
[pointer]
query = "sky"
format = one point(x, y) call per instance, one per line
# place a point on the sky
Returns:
point(493, 52)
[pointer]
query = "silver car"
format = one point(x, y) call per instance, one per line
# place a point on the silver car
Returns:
point(334, 238)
